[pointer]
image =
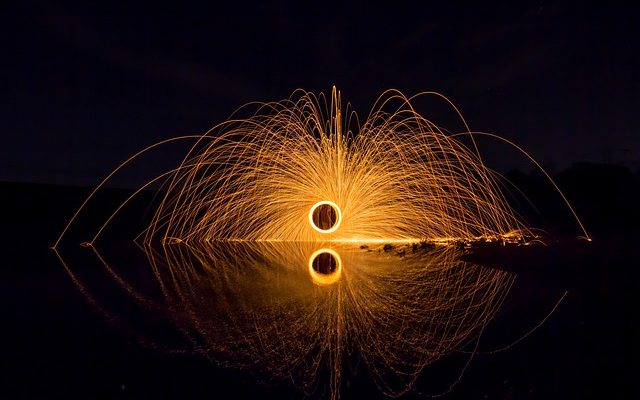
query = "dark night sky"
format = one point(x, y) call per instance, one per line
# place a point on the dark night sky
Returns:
point(84, 87)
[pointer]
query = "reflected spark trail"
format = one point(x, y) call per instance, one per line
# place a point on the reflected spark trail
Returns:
point(259, 306)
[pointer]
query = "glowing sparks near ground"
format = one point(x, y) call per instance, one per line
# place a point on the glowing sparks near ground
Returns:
point(396, 177)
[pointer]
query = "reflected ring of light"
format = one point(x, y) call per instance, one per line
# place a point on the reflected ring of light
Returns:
point(325, 279)
point(332, 205)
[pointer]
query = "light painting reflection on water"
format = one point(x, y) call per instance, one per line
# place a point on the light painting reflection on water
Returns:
point(301, 311)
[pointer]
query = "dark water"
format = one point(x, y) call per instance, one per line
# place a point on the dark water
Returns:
point(80, 330)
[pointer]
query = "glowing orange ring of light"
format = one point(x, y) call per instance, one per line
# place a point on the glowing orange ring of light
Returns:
point(325, 279)
point(332, 205)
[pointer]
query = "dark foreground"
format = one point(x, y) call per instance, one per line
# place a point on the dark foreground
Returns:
point(57, 345)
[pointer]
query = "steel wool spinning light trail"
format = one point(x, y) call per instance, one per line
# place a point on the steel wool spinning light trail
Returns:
point(298, 170)
point(256, 225)
point(399, 178)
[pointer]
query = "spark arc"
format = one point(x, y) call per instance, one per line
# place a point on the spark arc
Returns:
point(298, 170)
point(305, 170)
